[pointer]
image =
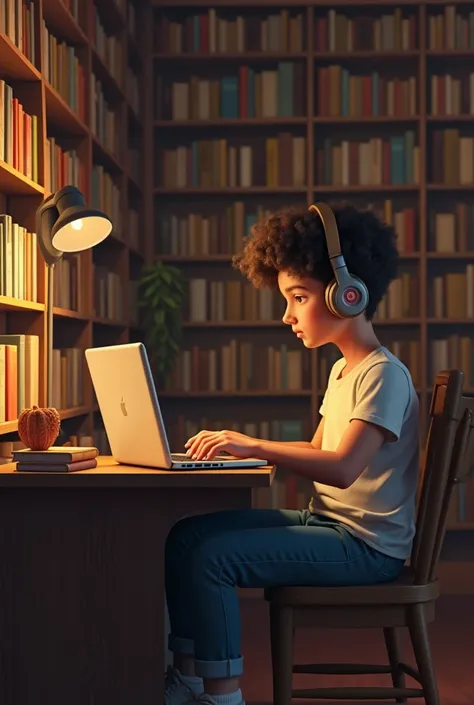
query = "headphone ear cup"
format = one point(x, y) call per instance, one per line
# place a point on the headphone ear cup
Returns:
point(348, 302)
point(330, 297)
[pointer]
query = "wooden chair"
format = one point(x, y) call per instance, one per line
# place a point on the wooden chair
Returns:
point(408, 601)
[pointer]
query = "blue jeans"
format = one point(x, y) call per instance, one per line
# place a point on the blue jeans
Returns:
point(208, 556)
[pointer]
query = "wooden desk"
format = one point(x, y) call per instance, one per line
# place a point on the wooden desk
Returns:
point(81, 577)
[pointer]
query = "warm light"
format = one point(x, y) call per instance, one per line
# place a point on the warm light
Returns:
point(67, 237)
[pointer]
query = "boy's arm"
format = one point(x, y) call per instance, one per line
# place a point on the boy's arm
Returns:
point(377, 418)
point(339, 468)
point(314, 443)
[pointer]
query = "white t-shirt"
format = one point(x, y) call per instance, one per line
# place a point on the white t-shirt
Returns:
point(380, 506)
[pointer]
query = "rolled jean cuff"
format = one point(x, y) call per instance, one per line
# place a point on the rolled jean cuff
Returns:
point(231, 668)
point(179, 645)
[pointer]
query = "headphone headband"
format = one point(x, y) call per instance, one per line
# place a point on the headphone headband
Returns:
point(331, 232)
point(347, 295)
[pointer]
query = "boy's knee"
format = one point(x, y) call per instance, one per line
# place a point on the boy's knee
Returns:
point(179, 532)
point(213, 556)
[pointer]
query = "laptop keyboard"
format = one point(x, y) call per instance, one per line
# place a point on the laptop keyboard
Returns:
point(180, 457)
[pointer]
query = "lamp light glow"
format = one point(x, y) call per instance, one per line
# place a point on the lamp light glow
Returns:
point(65, 224)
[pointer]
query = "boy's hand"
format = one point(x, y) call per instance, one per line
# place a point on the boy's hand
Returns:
point(205, 445)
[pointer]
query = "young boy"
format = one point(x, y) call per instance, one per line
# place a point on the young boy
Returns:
point(363, 461)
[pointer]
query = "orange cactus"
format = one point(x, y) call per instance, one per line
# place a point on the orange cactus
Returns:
point(38, 428)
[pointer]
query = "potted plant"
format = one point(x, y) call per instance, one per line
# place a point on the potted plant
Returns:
point(160, 296)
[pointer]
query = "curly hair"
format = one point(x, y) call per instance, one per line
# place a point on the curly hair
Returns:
point(293, 241)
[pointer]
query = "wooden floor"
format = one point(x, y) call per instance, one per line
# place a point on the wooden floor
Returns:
point(452, 640)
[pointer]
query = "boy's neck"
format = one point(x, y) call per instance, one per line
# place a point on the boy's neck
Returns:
point(357, 341)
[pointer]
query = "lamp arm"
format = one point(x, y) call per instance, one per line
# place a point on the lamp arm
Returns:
point(49, 335)
point(46, 216)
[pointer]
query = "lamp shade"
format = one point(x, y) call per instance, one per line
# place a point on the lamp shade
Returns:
point(77, 227)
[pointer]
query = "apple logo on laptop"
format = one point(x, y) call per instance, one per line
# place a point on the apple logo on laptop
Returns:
point(123, 407)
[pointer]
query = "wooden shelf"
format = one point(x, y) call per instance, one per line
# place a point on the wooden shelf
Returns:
point(244, 122)
point(230, 191)
point(60, 116)
point(66, 313)
point(75, 412)
point(8, 303)
point(229, 56)
point(14, 183)
point(60, 20)
point(14, 65)
point(168, 67)
point(20, 196)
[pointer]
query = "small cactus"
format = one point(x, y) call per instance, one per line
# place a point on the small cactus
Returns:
point(38, 428)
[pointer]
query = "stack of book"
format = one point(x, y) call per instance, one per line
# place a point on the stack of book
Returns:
point(56, 459)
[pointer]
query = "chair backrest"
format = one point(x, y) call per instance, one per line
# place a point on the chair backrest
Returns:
point(446, 462)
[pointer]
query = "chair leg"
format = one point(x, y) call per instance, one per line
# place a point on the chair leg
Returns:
point(392, 643)
point(281, 636)
point(421, 646)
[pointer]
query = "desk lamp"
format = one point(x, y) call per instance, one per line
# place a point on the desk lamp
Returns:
point(65, 224)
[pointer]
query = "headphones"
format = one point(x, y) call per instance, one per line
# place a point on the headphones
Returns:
point(346, 296)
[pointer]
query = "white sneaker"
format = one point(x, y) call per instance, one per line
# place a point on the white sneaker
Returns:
point(177, 692)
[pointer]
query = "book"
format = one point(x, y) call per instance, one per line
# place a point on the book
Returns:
point(57, 467)
point(55, 455)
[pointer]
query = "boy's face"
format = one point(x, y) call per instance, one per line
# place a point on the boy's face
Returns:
point(306, 311)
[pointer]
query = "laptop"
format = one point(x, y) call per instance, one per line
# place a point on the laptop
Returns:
point(126, 394)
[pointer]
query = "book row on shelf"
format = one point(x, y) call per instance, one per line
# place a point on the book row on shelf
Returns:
point(281, 161)
point(108, 47)
point(68, 378)
point(223, 233)
point(17, 22)
point(20, 147)
point(19, 137)
point(231, 300)
point(109, 293)
point(18, 261)
point(283, 31)
point(62, 70)
point(60, 62)
point(453, 294)
point(104, 121)
point(126, 7)
point(218, 31)
point(105, 194)
point(214, 163)
point(452, 157)
point(246, 92)
point(341, 93)
point(62, 167)
point(243, 365)
point(19, 375)
point(19, 268)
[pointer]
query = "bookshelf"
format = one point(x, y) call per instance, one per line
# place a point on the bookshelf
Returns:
point(71, 86)
point(258, 106)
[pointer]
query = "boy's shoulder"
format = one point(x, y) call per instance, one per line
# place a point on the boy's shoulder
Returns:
point(380, 363)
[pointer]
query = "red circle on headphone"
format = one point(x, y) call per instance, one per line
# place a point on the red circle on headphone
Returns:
point(351, 296)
